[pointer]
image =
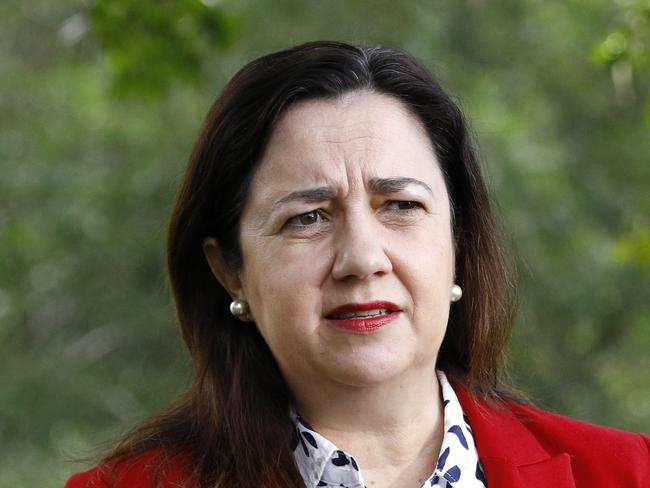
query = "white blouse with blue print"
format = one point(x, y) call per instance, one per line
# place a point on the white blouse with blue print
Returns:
point(321, 463)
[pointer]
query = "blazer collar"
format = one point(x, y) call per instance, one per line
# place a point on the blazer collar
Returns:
point(511, 455)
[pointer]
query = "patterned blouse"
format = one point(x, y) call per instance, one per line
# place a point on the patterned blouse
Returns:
point(321, 463)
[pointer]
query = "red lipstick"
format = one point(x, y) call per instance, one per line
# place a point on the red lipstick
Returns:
point(355, 317)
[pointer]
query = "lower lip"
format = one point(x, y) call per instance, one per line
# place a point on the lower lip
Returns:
point(364, 325)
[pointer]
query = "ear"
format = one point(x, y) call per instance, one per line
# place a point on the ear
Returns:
point(221, 270)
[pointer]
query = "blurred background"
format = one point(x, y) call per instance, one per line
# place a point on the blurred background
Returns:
point(100, 101)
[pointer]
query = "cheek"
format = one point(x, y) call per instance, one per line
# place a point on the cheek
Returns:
point(282, 284)
point(427, 268)
point(431, 246)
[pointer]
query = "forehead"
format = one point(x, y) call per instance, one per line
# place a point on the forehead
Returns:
point(325, 140)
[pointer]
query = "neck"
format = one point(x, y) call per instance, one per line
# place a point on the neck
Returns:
point(394, 425)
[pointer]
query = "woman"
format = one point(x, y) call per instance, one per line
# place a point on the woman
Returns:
point(343, 295)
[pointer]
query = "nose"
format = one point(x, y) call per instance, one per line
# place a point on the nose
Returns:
point(360, 250)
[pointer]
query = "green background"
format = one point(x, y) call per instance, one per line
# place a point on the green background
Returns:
point(100, 102)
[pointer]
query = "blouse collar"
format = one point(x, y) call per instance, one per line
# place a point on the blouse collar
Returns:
point(321, 463)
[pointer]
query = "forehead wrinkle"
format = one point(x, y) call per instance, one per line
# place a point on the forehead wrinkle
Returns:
point(347, 140)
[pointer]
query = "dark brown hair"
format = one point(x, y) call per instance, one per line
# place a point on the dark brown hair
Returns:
point(232, 424)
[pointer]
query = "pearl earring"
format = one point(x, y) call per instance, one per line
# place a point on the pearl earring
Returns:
point(239, 308)
point(456, 293)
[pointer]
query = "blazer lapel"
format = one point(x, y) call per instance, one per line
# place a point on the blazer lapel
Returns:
point(511, 455)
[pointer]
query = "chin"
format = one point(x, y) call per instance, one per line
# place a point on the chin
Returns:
point(364, 370)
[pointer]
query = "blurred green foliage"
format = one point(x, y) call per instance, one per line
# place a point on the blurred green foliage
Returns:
point(100, 101)
point(150, 43)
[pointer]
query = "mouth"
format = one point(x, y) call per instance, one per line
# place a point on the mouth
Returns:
point(363, 317)
point(362, 310)
point(360, 314)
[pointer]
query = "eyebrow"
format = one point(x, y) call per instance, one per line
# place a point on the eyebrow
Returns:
point(394, 185)
point(324, 193)
point(312, 195)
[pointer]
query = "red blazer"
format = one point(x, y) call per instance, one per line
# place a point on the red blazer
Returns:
point(528, 447)
point(521, 447)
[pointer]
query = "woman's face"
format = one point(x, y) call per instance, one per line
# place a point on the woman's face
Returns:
point(348, 208)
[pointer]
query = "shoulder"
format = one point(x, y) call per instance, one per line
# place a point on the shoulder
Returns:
point(597, 454)
point(147, 470)
point(531, 440)
point(556, 431)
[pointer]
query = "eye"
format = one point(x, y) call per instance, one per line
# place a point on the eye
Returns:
point(403, 205)
point(306, 219)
